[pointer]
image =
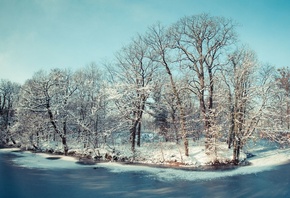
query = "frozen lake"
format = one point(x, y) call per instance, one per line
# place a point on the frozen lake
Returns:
point(26, 175)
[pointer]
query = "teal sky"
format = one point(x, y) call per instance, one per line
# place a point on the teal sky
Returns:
point(45, 34)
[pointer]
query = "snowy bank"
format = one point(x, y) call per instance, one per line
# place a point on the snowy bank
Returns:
point(263, 160)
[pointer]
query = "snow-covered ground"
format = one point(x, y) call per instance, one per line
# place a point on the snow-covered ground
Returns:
point(266, 158)
point(173, 154)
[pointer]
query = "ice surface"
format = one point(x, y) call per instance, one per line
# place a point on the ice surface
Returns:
point(169, 174)
point(40, 160)
point(9, 150)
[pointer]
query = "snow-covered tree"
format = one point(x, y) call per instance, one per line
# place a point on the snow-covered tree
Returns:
point(164, 110)
point(134, 73)
point(283, 84)
point(202, 42)
point(8, 100)
point(47, 95)
point(247, 96)
point(90, 106)
point(159, 40)
point(277, 116)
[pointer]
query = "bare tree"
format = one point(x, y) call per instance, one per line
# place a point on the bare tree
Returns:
point(49, 95)
point(134, 72)
point(283, 82)
point(202, 41)
point(8, 100)
point(165, 110)
point(248, 94)
point(161, 43)
point(91, 106)
point(276, 121)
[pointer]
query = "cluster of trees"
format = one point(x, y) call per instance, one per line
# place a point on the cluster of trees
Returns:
point(8, 100)
point(189, 80)
point(62, 106)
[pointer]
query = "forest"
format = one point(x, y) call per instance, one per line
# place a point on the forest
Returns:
point(193, 80)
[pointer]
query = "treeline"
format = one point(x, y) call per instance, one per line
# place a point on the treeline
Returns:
point(188, 80)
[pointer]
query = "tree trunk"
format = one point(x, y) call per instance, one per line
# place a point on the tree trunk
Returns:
point(207, 111)
point(52, 121)
point(173, 121)
point(231, 129)
point(236, 151)
point(140, 115)
point(203, 110)
point(139, 134)
point(64, 142)
point(133, 136)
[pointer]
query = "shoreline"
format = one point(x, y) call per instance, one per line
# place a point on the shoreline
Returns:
point(264, 159)
point(87, 162)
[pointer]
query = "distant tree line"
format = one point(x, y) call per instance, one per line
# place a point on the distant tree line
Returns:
point(189, 80)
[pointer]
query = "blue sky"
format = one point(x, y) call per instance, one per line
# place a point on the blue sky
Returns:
point(45, 34)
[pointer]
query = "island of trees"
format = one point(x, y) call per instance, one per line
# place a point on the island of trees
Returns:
point(180, 83)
